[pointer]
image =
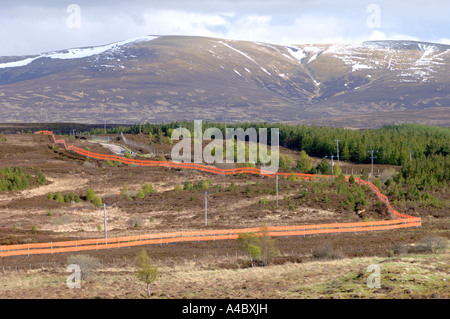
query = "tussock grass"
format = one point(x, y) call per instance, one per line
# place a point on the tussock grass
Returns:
point(410, 276)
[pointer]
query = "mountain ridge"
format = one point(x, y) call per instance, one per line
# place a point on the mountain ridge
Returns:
point(163, 78)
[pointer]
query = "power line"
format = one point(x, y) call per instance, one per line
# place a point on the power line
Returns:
point(277, 189)
point(337, 144)
point(371, 158)
point(206, 208)
point(104, 217)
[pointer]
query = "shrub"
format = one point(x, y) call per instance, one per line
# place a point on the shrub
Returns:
point(90, 194)
point(147, 188)
point(364, 174)
point(59, 197)
point(336, 169)
point(188, 186)
point(50, 196)
point(109, 163)
point(41, 178)
point(135, 222)
point(178, 187)
point(203, 185)
point(140, 194)
point(326, 252)
point(431, 244)
point(124, 190)
point(232, 187)
point(97, 201)
point(324, 167)
point(304, 163)
point(67, 199)
point(351, 180)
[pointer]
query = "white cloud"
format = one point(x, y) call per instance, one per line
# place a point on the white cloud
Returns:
point(380, 35)
point(377, 35)
point(36, 28)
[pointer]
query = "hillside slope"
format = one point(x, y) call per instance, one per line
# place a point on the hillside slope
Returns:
point(168, 78)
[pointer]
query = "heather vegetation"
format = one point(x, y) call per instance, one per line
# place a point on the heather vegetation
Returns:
point(422, 152)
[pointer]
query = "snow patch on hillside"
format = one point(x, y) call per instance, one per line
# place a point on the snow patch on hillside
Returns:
point(238, 51)
point(265, 70)
point(77, 53)
point(359, 66)
point(17, 63)
point(312, 59)
point(297, 53)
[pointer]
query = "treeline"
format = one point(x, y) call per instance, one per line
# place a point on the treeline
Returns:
point(392, 143)
point(422, 151)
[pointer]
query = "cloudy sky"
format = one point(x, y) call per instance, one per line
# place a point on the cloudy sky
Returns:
point(31, 27)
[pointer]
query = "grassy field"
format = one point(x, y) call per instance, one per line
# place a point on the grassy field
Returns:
point(403, 277)
point(200, 270)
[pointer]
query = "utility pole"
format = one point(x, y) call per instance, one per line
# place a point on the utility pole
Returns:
point(337, 143)
point(104, 217)
point(206, 208)
point(371, 158)
point(105, 126)
point(277, 189)
point(410, 152)
point(225, 130)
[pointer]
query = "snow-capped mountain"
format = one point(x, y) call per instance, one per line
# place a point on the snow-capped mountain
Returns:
point(163, 78)
point(77, 53)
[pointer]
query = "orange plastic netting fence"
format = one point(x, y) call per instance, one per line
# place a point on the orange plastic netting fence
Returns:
point(399, 220)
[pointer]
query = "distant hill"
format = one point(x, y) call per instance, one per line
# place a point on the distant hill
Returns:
point(165, 78)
